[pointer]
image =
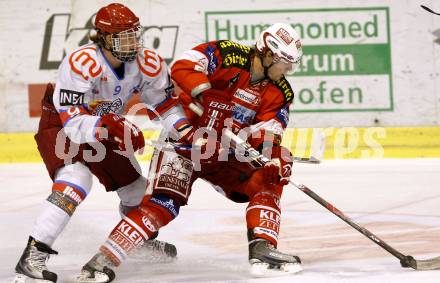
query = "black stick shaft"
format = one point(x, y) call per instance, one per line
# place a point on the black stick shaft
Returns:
point(350, 222)
point(429, 10)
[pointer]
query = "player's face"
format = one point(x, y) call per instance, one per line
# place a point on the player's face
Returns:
point(128, 40)
point(126, 44)
point(279, 69)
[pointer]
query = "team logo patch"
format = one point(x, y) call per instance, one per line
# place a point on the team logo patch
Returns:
point(245, 96)
point(100, 108)
point(234, 54)
point(70, 97)
point(243, 115)
point(175, 175)
point(148, 224)
point(284, 35)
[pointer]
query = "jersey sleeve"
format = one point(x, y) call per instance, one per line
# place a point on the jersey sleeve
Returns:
point(273, 116)
point(76, 76)
point(157, 92)
point(191, 72)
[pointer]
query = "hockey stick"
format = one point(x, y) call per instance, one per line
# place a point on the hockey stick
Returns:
point(405, 260)
point(172, 146)
point(258, 161)
point(248, 150)
point(429, 10)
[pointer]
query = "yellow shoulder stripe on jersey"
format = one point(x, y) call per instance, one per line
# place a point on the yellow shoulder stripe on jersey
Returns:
point(341, 143)
point(284, 86)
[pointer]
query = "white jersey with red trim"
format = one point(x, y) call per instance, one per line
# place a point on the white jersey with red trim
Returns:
point(88, 87)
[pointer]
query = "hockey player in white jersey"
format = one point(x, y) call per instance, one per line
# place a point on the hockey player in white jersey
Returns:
point(83, 113)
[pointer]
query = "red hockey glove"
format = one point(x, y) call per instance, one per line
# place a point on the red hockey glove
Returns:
point(216, 109)
point(205, 136)
point(117, 126)
point(279, 169)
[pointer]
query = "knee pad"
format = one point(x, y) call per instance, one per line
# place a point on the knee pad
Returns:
point(256, 185)
point(77, 174)
point(171, 175)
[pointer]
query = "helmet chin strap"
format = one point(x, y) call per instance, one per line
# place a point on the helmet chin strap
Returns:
point(265, 71)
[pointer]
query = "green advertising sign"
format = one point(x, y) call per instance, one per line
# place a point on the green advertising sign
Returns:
point(347, 54)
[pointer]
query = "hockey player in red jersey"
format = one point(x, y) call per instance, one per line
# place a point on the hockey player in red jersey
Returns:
point(242, 88)
point(82, 113)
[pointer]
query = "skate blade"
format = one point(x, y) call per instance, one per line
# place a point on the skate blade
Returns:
point(20, 278)
point(146, 255)
point(262, 269)
point(100, 277)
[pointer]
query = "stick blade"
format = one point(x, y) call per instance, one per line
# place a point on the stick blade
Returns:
point(423, 264)
point(428, 264)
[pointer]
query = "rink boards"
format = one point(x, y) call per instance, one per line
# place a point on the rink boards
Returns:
point(341, 143)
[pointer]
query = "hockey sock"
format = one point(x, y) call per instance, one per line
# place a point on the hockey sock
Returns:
point(263, 216)
point(56, 212)
point(138, 226)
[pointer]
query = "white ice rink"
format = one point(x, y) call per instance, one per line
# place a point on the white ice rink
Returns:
point(398, 200)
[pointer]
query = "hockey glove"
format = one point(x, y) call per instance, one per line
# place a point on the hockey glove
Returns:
point(205, 136)
point(279, 169)
point(121, 132)
point(216, 109)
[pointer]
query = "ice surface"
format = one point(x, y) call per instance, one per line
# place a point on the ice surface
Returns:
point(398, 200)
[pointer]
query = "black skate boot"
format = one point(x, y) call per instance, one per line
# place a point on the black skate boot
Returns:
point(155, 251)
point(97, 270)
point(265, 259)
point(32, 263)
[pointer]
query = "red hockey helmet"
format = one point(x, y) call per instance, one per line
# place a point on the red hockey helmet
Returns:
point(125, 30)
point(115, 18)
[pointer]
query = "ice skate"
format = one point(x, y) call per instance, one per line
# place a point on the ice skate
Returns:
point(266, 260)
point(155, 251)
point(97, 270)
point(32, 265)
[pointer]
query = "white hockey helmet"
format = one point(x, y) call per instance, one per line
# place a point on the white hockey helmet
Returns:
point(283, 41)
